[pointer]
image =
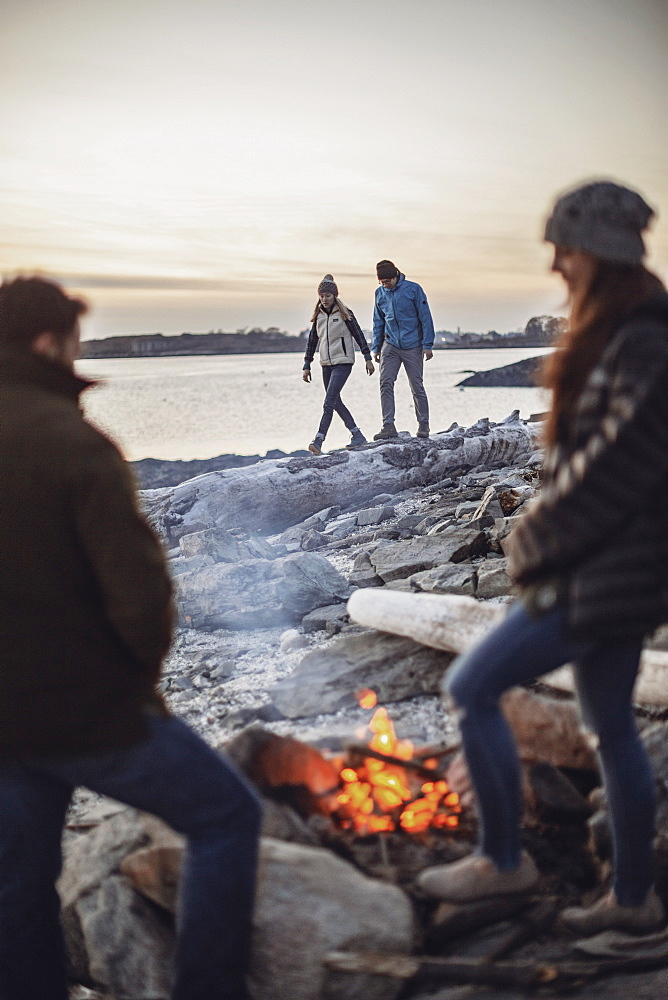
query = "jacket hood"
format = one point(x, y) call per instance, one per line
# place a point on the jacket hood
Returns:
point(28, 368)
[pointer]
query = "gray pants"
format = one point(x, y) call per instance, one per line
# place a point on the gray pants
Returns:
point(391, 360)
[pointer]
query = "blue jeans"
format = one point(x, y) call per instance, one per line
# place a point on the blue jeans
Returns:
point(518, 651)
point(174, 775)
point(335, 377)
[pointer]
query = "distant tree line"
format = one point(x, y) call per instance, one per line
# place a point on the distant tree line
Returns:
point(540, 331)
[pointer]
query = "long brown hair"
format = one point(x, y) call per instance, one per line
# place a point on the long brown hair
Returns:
point(615, 291)
point(343, 309)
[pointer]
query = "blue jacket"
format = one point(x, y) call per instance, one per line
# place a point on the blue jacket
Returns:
point(401, 317)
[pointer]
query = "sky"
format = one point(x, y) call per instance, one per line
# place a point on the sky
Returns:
point(196, 165)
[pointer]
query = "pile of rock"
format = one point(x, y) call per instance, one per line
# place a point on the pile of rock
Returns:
point(231, 576)
point(285, 543)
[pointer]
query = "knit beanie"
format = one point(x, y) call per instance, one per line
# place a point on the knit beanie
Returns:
point(602, 218)
point(386, 269)
point(328, 285)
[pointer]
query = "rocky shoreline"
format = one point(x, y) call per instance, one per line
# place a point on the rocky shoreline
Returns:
point(264, 560)
point(519, 374)
point(265, 605)
point(156, 473)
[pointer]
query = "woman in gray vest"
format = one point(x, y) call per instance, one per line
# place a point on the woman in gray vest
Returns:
point(589, 559)
point(334, 332)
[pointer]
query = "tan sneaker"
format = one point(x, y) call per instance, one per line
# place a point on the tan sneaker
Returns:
point(477, 877)
point(607, 914)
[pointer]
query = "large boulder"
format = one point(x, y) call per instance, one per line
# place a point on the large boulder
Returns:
point(328, 679)
point(310, 903)
point(113, 935)
point(272, 495)
point(259, 593)
point(119, 893)
point(448, 579)
point(397, 560)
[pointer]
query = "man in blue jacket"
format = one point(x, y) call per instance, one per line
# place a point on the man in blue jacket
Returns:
point(403, 334)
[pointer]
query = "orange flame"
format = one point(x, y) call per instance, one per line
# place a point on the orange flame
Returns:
point(379, 796)
point(367, 698)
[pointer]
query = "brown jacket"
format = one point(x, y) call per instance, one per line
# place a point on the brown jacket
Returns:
point(600, 526)
point(85, 599)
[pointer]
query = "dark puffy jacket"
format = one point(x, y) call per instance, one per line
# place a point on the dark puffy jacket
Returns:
point(600, 525)
point(85, 600)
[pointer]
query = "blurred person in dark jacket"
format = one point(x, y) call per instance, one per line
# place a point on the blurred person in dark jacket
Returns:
point(86, 619)
point(589, 559)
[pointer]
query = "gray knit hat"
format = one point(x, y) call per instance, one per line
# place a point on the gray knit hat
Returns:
point(602, 218)
point(328, 285)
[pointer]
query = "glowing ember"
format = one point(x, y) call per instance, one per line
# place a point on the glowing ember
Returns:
point(367, 698)
point(379, 796)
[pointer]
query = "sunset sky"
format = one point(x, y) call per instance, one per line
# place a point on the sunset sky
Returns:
point(200, 164)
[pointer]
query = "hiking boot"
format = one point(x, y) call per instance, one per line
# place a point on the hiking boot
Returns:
point(357, 440)
point(315, 446)
point(607, 914)
point(477, 877)
point(386, 432)
point(423, 429)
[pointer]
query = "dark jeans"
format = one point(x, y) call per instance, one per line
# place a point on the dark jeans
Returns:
point(516, 652)
point(335, 377)
point(174, 775)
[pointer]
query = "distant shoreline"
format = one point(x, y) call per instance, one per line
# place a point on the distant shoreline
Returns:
point(202, 345)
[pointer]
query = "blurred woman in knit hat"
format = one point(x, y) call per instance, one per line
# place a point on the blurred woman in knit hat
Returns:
point(589, 559)
point(334, 332)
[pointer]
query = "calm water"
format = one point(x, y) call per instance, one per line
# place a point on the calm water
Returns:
point(183, 408)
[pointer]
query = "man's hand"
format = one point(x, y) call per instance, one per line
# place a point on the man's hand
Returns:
point(306, 374)
point(428, 355)
point(369, 367)
point(377, 358)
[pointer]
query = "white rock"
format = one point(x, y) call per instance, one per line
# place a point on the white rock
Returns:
point(292, 639)
point(309, 903)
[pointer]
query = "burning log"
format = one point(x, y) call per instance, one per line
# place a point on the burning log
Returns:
point(357, 751)
point(384, 787)
point(288, 769)
point(455, 624)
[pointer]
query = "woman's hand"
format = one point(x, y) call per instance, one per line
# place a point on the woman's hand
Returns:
point(306, 374)
point(370, 367)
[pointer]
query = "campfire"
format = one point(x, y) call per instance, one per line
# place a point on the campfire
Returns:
point(379, 784)
point(384, 786)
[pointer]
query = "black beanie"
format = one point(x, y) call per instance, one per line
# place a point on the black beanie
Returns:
point(328, 285)
point(386, 269)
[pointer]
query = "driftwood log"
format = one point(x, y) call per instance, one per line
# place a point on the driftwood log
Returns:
point(481, 971)
point(454, 623)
